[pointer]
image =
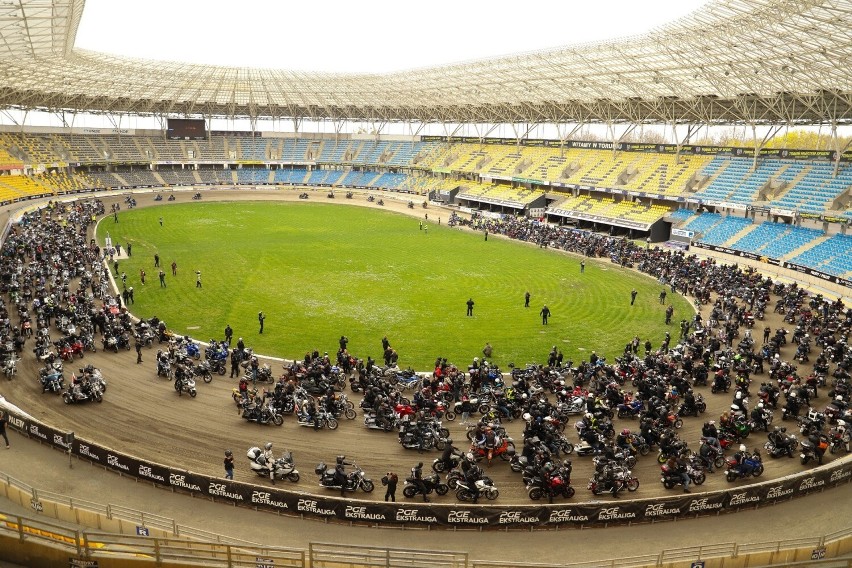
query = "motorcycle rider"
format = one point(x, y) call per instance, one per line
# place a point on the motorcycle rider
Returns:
point(778, 438)
point(677, 465)
point(689, 403)
point(759, 417)
point(449, 453)
point(472, 474)
point(740, 458)
point(417, 479)
point(709, 430)
point(340, 473)
point(267, 459)
point(708, 452)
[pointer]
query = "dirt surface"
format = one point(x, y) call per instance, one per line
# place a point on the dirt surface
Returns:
point(142, 414)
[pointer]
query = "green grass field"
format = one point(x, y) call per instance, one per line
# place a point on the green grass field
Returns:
point(320, 270)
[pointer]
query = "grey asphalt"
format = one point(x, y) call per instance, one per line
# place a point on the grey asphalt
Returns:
point(47, 469)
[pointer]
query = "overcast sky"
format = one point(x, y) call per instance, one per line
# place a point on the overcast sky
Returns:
point(367, 36)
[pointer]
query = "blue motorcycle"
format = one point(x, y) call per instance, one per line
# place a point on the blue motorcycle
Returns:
point(751, 466)
point(52, 381)
point(191, 348)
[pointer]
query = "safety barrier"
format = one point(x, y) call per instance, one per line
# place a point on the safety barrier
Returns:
point(42, 543)
point(576, 515)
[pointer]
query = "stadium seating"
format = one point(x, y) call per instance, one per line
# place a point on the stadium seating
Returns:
point(724, 230)
point(61, 182)
point(682, 215)
point(735, 182)
point(703, 222)
point(815, 192)
point(834, 255)
point(776, 240)
point(662, 174)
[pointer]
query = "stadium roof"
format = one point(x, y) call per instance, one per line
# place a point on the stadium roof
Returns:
point(732, 61)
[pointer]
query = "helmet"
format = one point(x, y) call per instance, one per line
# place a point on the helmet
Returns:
point(784, 430)
point(712, 423)
point(449, 440)
point(838, 397)
point(625, 432)
point(742, 447)
point(475, 359)
point(841, 423)
point(268, 446)
point(228, 453)
point(340, 459)
point(419, 464)
point(588, 416)
point(760, 405)
point(527, 416)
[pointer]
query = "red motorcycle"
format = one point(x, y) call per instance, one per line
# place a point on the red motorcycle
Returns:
point(505, 450)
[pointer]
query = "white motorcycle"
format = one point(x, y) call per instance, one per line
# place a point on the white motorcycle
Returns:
point(10, 367)
point(485, 486)
point(282, 468)
point(186, 385)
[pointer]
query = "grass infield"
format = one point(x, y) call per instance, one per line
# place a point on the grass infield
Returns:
point(319, 271)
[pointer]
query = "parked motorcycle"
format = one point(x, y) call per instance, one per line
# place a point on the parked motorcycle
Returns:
point(263, 414)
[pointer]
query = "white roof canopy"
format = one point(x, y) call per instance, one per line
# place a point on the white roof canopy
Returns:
point(732, 61)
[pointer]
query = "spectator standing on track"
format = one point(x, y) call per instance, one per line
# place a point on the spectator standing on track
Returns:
point(138, 351)
point(3, 420)
point(236, 358)
point(229, 464)
point(390, 480)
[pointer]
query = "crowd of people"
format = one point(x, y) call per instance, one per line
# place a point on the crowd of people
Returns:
point(53, 272)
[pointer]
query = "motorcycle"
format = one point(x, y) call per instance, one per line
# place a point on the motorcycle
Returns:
point(322, 419)
point(431, 483)
point(672, 478)
point(485, 486)
point(811, 451)
point(699, 408)
point(380, 422)
point(776, 451)
point(204, 371)
point(752, 466)
point(185, 385)
point(10, 367)
point(504, 451)
point(51, 380)
point(262, 415)
point(622, 479)
point(84, 393)
point(354, 480)
point(282, 468)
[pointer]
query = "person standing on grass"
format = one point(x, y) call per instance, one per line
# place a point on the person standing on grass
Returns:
point(162, 279)
point(198, 279)
point(142, 276)
point(174, 268)
point(156, 260)
point(544, 313)
point(527, 299)
point(582, 266)
point(470, 307)
point(633, 294)
point(260, 317)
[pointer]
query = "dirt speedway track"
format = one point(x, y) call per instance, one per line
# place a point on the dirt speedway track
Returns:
point(142, 415)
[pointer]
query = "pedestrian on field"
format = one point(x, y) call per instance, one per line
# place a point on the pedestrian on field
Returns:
point(390, 480)
point(156, 260)
point(633, 296)
point(130, 295)
point(486, 234)
point(162, 279)
point(582, 266)
point(663, 296)
point(161, 221)
point(470, 307)
point(229, 464)
point(115, 267)
point(3, 420)
point(129, 249)
point(198, 279)
point(544, 313)
point(527, 299)
point(260, 317)
point(229, 333)
point(669, 312)
point(142, 276)
point(174, 268)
